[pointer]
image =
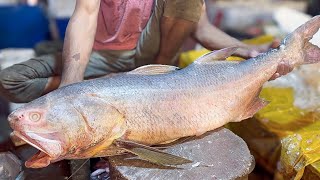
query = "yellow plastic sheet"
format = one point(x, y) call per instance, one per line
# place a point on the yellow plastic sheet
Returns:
point(298, 129)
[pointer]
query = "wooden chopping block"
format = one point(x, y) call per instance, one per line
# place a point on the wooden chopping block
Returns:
point(219, 154)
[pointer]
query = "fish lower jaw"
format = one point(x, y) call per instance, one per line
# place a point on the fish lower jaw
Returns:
point(39, 146)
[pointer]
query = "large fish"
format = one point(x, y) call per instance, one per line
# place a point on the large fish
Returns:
point(153, 104)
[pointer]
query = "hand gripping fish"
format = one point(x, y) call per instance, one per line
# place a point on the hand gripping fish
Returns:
point(153, 104)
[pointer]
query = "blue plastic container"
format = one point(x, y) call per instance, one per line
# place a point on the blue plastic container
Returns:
point(22, 26)
point(62, 26)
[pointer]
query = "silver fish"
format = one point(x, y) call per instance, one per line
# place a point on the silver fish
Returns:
point(153, 104)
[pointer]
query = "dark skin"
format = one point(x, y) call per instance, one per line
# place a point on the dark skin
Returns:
point(174, 31)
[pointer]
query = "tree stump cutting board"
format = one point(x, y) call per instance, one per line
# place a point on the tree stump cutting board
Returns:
point(218, 154)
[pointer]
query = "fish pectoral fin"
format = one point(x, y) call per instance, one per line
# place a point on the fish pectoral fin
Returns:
point(216, 55)
point(256, 106)
point(153, 69)
point(151, 154)
point(170, 141)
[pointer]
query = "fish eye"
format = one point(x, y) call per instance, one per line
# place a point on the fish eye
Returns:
point(34, 117)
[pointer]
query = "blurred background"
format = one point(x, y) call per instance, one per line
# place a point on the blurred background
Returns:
point(30, 28)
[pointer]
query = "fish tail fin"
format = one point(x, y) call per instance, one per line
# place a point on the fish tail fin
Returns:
point(307, 31)
point(298, 41)
point(312, 54)
point(151, 154)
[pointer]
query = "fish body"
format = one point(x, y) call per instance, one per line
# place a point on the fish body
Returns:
point(153, 104)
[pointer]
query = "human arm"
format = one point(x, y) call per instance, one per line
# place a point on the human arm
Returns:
point(177, 23)
point(79, 40)
point(173, 33)
point(212, 38)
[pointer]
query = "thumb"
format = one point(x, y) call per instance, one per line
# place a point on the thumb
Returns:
point(254, 53)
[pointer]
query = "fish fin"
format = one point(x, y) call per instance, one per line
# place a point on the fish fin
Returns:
point(216, 55)
point(309, 29)
point(151, 154)
point(168, 142)
point(256, 106)
point(153, 69)
point(299, 39)
point(111, 150)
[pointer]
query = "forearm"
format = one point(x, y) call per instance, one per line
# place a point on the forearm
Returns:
point(212, 38)
point(78, 44)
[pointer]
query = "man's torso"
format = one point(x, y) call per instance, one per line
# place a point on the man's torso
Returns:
point(120, 23)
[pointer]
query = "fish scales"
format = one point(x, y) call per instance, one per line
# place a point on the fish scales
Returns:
point(153, 104)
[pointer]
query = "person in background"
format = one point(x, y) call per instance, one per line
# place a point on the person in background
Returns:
point(110, 36)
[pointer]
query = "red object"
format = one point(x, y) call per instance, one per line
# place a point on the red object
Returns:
point(218, 18)
point(120, 23)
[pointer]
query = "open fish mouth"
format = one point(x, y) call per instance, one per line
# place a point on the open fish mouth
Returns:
point(49, 150)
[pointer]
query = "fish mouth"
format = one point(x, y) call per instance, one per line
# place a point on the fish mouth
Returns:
point(49, 150)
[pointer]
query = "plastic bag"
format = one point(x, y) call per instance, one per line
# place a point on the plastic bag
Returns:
point(293, 115)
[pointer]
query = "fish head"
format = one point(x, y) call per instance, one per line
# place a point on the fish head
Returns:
point(66, 127)
point(46, 125)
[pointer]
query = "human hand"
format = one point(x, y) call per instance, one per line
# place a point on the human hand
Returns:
point(251, 51)
point(283, 69)
point(254, 50)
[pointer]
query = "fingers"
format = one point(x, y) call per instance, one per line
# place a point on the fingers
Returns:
point(244, 53)
point(275, 76)
point(283, 69)
point(254, 53)
point(275, 43)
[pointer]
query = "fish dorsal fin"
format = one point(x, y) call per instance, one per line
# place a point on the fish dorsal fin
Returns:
point(154, 69)
point(216, 55)
point(151, 154)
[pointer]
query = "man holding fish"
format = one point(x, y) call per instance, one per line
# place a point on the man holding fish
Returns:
point(110, 36)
